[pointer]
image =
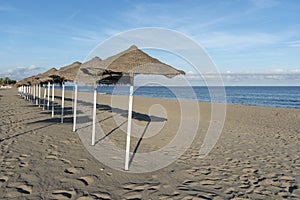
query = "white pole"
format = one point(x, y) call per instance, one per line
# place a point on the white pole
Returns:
point(26, 89)
point(30, 89)
point(94, 115)
point(62, 102)
point(27, 92)
point(30, 93)
point(129, 125)
point(39, 101)
point(33, 93)
point(44, 99)
point(52, 100)
point(75, 107)
point(36, 94)
point(48, 101)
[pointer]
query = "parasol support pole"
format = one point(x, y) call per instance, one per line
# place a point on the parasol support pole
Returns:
point(26, 89)
point(28, 98)
point(75, 107)
point(48, 100)
point(29, 93)
point(52, 113)
point(94, 116)
point(33, 94)
point(36, 94)
point(26, 92)
point(39, 101)
point(44, 99)
point(62, 102)
point(129, 123)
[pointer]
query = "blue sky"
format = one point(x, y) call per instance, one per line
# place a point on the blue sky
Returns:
point(241, 36)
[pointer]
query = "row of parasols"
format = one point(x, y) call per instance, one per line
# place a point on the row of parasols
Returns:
point(118, 69)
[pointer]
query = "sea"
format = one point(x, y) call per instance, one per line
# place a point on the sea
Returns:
point(270, 96)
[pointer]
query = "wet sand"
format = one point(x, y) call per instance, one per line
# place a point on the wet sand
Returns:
point(256, 157)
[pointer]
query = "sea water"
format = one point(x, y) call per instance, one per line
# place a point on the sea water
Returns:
point(272, 96)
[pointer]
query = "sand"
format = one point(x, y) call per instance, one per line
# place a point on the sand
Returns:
point(256, 157)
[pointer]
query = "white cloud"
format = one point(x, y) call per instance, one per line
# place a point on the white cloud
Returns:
point(274, 77)
point(33, 67)
point(22, 72)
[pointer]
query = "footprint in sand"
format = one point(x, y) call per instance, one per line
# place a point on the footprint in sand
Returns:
point(23, 164)
point(3, 180)
point(51, 157)
point(54, 153)
point(135, 187)
point(21, 188)
point(72, 170)
point(53, 146)
point(65, 161)
point(24, 189)
point(86, 180)
point(102, 195)
point(63, 194)
point(138, 187)
point(23, 156)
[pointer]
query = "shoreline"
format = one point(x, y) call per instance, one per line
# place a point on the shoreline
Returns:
point(198, 100)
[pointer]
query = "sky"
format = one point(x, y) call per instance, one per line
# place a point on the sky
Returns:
point(252, 42)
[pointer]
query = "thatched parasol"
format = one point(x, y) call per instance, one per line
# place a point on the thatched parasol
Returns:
point(90, 71)
point(132, 61)
point(135, 61)
point(26, 89)
point(129, 63)
point(68, 73)
point(47, 76)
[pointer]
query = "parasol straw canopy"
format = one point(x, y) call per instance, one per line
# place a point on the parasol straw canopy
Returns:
point(26, 81)
point(67, 73)
point(46, 76)
point(135, 61)
point(132, 61)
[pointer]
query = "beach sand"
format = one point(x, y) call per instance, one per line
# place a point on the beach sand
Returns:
point(256, 157)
